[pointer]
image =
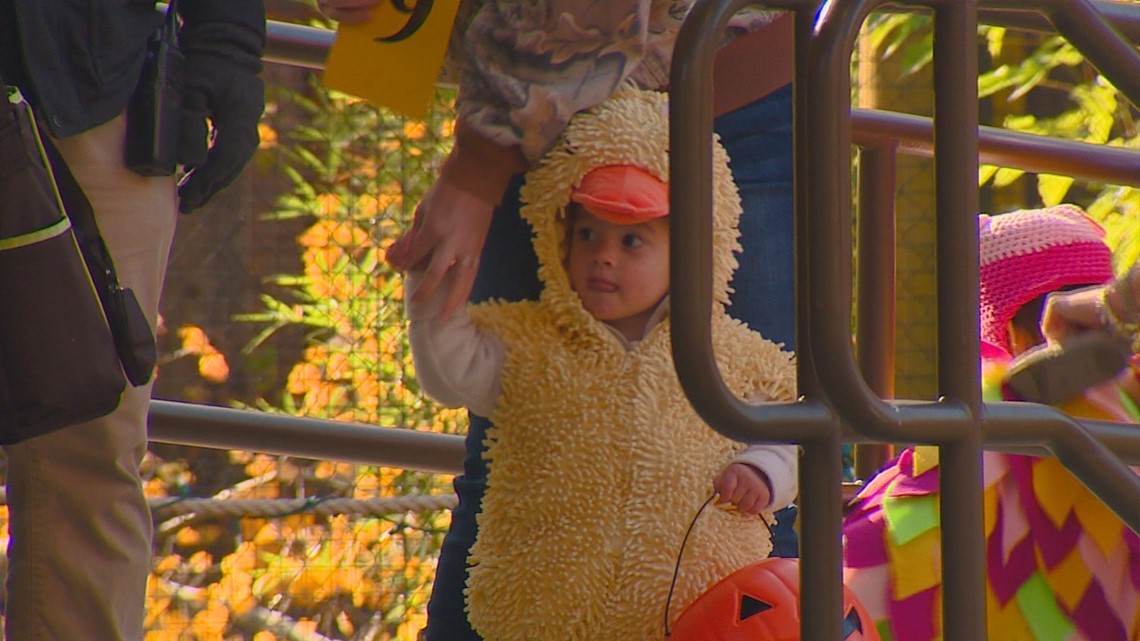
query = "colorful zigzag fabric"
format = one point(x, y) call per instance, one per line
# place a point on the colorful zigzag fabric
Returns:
point(1060, 565)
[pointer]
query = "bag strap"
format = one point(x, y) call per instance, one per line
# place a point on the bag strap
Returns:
point(124, 316)
point(82, 216)
point(170, 22)
point(133, 337)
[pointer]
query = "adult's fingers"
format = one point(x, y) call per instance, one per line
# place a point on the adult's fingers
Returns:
point(447, 268)
point(463, 272)
point(434, 274)
point(1053, 325)
point(407, 252)
point(447, 235)
point(224, 162)
point(1071, 312)
point(397, 253)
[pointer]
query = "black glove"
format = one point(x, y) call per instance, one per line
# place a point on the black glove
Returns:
point(222, 84)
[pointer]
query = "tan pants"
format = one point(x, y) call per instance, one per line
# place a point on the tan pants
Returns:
point(80, 529)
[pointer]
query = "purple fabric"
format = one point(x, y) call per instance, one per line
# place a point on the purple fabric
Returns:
point(879, 481)
point(912, 619)
point(865, 504)
point(866, 541)
point(1021, 468)
point(917, 486)
point(1133, 543)
point(1095, 619)
point(905, 461)
point(875, 488)
point(1005, 578)
point(1055, 544)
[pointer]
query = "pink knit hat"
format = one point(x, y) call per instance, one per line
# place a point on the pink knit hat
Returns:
point(1031, 252)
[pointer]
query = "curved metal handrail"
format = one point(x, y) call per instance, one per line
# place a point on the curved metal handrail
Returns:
point(914, 136)
point(829, 221)
point(809, 422)
point(1093, 463)
point(833, 380)
point(953, 423)
point(690, 125)
point(1086, 27)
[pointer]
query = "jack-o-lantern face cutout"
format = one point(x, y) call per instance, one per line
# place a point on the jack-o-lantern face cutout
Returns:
point(760, 602)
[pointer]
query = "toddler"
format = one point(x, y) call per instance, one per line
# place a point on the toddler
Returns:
point(597, 461)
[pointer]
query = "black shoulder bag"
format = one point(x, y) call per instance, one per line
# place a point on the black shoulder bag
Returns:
point(68, 331)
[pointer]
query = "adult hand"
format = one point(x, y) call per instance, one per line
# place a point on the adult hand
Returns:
point(348, 11)
point(446, 241)
point(222, 89)
point(452, 220)
point(1068, 313)
point(1114, 306)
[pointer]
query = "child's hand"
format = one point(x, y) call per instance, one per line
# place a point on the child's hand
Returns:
point(744, 486)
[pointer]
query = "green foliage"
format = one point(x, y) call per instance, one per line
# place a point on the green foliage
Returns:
point(905, 34)
point(356, 173)
point(1096, 113)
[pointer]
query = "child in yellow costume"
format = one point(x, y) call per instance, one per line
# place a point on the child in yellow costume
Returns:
point(597, 461)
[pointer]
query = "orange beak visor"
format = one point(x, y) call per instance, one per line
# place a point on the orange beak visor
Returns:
point(623, 194)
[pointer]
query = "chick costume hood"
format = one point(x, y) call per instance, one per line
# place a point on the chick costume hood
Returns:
point(597, 461)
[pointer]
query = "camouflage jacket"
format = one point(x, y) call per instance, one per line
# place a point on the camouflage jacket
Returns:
point(525, 67)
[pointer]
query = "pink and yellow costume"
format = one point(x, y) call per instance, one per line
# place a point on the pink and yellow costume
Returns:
point(1059, 565)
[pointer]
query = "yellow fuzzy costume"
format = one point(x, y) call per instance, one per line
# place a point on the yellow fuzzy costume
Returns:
point(597, 461)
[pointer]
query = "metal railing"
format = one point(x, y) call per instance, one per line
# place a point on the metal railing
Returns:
point(881, 133)
point(837, 401)
point(842, 393)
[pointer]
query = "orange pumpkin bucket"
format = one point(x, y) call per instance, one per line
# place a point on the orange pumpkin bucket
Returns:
point(758, 602)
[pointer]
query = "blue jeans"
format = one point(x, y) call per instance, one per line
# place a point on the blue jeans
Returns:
point(758, 138)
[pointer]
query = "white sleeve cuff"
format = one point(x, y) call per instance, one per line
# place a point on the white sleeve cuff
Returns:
point(780, 463)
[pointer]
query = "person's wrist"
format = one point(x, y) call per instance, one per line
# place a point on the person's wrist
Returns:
point(479, 166)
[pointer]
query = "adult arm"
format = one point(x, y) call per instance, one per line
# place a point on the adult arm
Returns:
point(1114, 306)
point(525, 71)
point(223, 41)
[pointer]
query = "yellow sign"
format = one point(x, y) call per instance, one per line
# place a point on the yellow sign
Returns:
point(393, 59)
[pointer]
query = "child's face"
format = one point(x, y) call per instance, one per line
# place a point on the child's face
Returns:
point(621, 272)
